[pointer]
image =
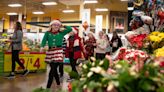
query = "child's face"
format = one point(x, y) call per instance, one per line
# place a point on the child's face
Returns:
point(90, 35)
point(55, 26)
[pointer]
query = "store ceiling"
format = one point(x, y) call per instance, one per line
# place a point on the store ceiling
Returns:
point(35, 5)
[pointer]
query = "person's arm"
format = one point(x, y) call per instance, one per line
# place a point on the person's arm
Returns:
point(19, 36)
point(82, 47)
point(44, 40)
point(66, 30)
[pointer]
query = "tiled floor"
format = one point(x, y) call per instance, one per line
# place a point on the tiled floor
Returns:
point(29, 83)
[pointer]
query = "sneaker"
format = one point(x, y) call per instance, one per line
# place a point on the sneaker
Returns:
point(25, 72)
point(11, 76)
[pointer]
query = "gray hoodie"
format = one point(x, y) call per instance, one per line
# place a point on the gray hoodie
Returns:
point(17, 40)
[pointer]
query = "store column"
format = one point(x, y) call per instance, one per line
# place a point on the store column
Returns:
point(20, 17)
point(80, 16)
point(85, 17)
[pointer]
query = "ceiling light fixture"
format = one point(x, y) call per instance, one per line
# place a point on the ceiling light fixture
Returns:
point(101, 9)
point(14, 5)
point(11, 13)
point(124, 0)
point(90, 1)
point(68, 11)
point(49, 3)
point(38, 12)
point(130, 8)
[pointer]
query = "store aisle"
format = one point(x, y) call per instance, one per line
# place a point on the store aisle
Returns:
point(28, 83)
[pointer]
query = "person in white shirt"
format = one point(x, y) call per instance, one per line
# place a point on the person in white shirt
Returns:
point(101, 45)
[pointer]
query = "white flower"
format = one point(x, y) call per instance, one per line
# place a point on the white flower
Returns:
point(96, 69)
point(101, 62)
point(118, 66)
point(80, 65)
point(93, 59)
point(89, 74)
point(133, 73)
point(116, 83)
point(85, 66)
point(81, 79)
point(85, 86)
point(156, 63)
point(93, 64)
point(110, 87)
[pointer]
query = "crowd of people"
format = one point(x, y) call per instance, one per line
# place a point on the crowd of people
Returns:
point(76, 48)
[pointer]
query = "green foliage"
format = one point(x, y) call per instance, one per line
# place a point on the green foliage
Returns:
point(126, 79)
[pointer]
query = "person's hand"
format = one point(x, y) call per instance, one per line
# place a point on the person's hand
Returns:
point(41, 49)
point(8, 41)
point(62, 28)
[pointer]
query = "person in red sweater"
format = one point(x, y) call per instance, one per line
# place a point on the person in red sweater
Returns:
point(74, 48)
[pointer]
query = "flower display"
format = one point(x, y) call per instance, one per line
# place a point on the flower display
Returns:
point(137, 41)
point(121, 77)
point(153, 41)
point(131, 54)
point(156, 36)
point(159, 52)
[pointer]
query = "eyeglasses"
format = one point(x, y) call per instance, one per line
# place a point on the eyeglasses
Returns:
point(55, 24)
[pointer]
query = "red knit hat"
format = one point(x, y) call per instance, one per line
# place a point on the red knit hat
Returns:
point(56, 21)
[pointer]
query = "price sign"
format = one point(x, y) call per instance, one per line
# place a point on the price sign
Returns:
point(32, 61)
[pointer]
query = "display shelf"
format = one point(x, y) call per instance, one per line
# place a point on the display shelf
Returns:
point(1, 63)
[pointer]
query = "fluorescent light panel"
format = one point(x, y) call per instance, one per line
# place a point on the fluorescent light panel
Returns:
point(124, 0)
point(49, 3)
point(11, 13)
point(38, 12)
point(14, 5)
point(130, 8)
point(68, 11)
point(90, 1)
point(101, 9)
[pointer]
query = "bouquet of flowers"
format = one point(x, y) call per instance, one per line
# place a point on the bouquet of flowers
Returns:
point(96, 77)
point(130, 55)
point(154, 41)
point(137, 41)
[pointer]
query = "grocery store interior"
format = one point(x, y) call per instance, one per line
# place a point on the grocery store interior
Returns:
point(128, 57)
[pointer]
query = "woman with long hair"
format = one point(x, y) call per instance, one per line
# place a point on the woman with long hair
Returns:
point(16, 46)
point(115, 41)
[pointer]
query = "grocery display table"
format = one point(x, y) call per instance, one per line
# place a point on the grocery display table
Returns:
point(33, 61)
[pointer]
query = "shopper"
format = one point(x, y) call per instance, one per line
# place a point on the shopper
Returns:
point(100, 46)
point(115, 42)
point(75, 48)
point(16, 46)
point(89, 45)
point(108, 47)
point(54, 38)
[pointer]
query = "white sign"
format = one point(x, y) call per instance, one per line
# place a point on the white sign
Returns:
point(86, 18)
point(1, 26)
point(99, 23)
point(34, 29)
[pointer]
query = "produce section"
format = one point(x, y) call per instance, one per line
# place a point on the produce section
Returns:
point(29, 56)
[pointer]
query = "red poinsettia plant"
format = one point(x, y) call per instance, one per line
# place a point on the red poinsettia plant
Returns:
point(137, 41)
